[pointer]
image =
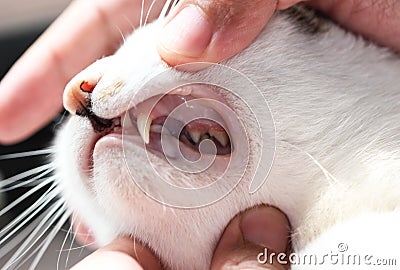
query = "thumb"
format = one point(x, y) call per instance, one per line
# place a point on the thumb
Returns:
point(248, 237)
point(212, 30)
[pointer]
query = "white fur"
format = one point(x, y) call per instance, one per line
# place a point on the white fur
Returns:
point(335, 102)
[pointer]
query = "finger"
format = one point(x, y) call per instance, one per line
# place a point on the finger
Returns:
point(210, 31)
point(378, 20)
point(247, 235)
point(31, 92)
point(122, 254)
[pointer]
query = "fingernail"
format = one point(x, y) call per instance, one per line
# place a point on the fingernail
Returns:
point(188, 33)
point(267, 227)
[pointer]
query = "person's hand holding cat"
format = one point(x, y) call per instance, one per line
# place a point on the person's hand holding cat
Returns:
point(244, 238)
point(208, 30)
point(203, 31)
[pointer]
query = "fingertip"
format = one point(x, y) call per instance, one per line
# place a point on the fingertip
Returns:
point(212, 31)
point(108, 260)
point(266, 226)
point(136, 250)
point(187, 35)
point(248, 235)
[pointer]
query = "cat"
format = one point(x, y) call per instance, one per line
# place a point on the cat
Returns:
point(304, 119)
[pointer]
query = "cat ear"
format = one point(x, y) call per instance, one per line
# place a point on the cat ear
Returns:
point(368, 240)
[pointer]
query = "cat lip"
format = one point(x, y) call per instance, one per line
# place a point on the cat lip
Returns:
point(87, 154)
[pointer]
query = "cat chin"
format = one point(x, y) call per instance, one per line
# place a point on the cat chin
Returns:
point(111, 204)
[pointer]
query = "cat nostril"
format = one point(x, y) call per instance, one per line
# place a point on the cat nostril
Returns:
point(87, 87)
point(77, 100)
point(77, 97)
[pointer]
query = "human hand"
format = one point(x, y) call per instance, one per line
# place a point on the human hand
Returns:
point(210, 31)
point(246, 236)
point(213, 30)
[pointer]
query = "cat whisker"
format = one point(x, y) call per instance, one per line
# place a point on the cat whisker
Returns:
point(165, 9)
point(22, 235)
point(174, 4)
point(57, 210)
point(25, 183)
point(326, 173)
point(122, 35)
point(78, 247)
point(18, 238)
point(129, 22)
point(27, 215)
point(58, 121)
point(20, 264)
point(62, 246)
point(43, 246)
point(148, 12)
point(72, 241)
point(141, 15)
point(26, 195)
point(134, 244)
point(87, 236)
point(28, 154)
point(25, 174)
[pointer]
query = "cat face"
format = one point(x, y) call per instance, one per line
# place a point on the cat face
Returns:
point(170, 157)
point(123, 174)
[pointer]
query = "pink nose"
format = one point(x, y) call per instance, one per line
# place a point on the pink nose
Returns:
point(77, 99)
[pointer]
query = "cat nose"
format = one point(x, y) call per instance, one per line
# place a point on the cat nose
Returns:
point(77, 100)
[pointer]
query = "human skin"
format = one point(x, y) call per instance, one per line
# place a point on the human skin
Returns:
point(31, 93)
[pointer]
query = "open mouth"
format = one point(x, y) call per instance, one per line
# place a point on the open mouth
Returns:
point(181, 121)
point(185, 118)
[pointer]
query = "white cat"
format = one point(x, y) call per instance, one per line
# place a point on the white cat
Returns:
point(333, 121)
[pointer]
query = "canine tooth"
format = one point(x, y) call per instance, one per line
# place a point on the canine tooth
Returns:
point(127, 121)
point(185, 91)
point(195, 136)
point(143, 125)
point(220, 136)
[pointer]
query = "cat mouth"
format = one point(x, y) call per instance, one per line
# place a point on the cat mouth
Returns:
point(189, 122)
point(181, 116)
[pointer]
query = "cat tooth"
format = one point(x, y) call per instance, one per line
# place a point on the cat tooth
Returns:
point(220, 136)
point(144, 125)
point(127, 121)
point(184, 91)
point(195, 135)
point(156, 128)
